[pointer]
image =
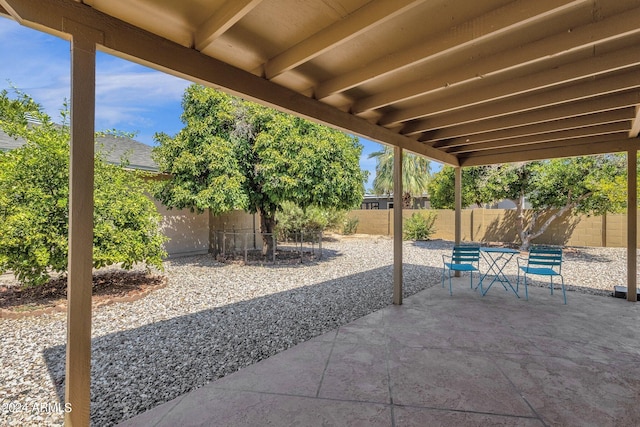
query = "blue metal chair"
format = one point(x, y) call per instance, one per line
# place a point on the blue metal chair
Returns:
point(542, 261)
point(463, 258)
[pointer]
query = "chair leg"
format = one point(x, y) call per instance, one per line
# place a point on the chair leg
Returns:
point(551, 285)
point(471, 280)
point(526, 290)
point(450, 291)
point(564, 294)
point(518, 281)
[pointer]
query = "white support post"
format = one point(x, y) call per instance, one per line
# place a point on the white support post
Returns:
point(632, 224)
point(397, 225)
point(81, 173)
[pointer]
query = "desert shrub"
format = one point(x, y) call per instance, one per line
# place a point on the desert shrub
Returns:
point(350, 225)
point(420, 226)
point(293, 220)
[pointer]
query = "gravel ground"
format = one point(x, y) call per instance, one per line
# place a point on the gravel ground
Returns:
point(213, 319)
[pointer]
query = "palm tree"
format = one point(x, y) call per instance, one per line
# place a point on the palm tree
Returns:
point(416, 172)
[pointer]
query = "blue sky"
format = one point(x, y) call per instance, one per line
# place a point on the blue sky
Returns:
point(129, 97)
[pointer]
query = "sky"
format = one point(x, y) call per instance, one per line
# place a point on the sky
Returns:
point(129, 97)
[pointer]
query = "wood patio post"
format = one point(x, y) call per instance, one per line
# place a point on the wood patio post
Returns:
point(81, 173)
point(397, 225)
point(632, 224)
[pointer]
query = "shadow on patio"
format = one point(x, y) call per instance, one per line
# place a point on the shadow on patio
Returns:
point(441, 360)
point(175, 356)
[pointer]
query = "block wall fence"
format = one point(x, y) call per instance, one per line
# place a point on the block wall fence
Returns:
point(499, 225)
point(478, 225)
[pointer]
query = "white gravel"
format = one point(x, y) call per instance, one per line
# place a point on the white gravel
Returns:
point(213, 319)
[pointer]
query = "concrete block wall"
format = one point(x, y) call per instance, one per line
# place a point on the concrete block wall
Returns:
point(188, 232)
point(499, 225)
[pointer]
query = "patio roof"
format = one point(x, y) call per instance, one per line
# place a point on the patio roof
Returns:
point(464, 83)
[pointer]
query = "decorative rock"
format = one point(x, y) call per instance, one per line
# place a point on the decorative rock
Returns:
point(213, 319)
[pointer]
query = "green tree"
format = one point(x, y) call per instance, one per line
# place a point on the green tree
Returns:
point(416, 172)
point(442, 185)
point(234, 154)
point(588, 185)
point(34, 202)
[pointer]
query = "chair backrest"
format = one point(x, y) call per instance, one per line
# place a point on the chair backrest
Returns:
point(465, 254)
point(545, 257)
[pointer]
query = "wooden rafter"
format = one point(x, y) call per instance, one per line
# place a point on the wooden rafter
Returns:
point(494, 89)
point(224, 18)
point(535, 130)
point(363, 19)
point(584, 37)
point(581, 147)
point(505, 19)
point(582, 91)
point(635, 126)
point(531, 118)
point(524, 141)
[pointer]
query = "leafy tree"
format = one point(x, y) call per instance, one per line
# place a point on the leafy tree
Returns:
point(588, 185)
point(441, 187)
point(34, 202)
point(416, 172)
point(234, 154)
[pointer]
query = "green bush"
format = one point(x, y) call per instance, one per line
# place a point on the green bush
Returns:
point(350, 225)
point(34, 203)
point(293, 220)
point(420, 226)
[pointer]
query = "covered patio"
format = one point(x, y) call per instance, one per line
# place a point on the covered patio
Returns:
point(463, 83)
point(441, 360)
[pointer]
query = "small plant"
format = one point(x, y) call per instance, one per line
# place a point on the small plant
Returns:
point(293, 220)
point(350, 225)
point(420, 226)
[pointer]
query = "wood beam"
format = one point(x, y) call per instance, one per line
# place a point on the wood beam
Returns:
point(604, 104)
point(491, 89)
point(523, 142)
point(497, 23)
point(632, 225)
point(586, 147)
point(623, 115)
point(81, 173)
point(397, 225)
point(143, 47)
point(224, 18)
point(577, 92)
point(635, 124)
point(581, 38)
point(361, 20)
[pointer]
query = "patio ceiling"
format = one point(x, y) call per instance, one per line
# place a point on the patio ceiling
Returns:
point(464, 83)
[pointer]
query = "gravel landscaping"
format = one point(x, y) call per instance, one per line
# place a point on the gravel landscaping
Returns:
point(213, 319)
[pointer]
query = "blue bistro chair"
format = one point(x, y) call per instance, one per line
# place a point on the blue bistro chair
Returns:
point(463, 258)
point(542, 261)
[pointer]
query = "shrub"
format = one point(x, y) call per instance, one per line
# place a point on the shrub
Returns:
point(350, 225)
point(420, 226)
point(34, 203)
point(292, 220)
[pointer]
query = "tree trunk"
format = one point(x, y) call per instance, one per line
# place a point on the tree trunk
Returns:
point(267, 227)
point(526, 236)
point(406, 201)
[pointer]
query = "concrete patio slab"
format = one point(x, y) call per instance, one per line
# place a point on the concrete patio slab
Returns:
point(440, 360)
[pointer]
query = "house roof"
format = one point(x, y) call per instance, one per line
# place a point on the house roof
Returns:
point(461, 82)
point(115, 148)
